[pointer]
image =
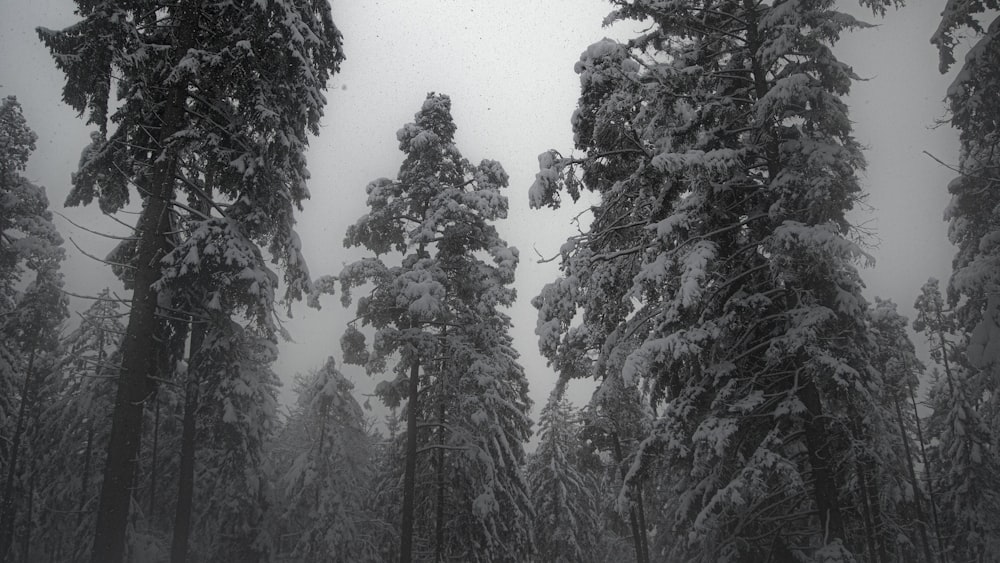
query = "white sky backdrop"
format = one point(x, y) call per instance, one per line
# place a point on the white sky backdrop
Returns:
point(508, 67)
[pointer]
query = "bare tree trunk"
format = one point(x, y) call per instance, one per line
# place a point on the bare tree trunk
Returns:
point(185, 487)
point(439, 509)
point(8, 507)
point(410, 471)
point(140, 344)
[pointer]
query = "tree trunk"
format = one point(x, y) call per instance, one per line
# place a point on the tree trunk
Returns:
point(638, 541)
point(153, 460)
point(88, 452)
point(139, 344)
point(410, 472)
point(8, 507)
point(439, 508)
point(640, 506)
point(930, 482)
point(185, 480)
point(918, 496)
point(26, 543)
point(824, 487)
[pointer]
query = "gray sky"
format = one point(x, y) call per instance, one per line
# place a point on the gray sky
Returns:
point(508, 67)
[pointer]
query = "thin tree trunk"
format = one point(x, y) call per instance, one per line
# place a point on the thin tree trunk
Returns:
point(870, 539)
point(642, 523)
point(8, 506)
point(410, 471)
point(930, 481)
point(638, 541)
point(88, 452)
point(439, 509)
point(918, 496)
point(185, 480)
point(140, 343)
point(26, 544)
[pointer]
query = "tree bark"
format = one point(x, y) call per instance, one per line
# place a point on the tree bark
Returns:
point(140, 343)
point(185, 487)
point(410, 471)
point(824, 487)
point(152, 457)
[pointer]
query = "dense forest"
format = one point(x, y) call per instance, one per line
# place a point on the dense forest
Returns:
point(749, 403)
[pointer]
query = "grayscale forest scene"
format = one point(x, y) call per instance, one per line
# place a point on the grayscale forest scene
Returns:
point(625, 281)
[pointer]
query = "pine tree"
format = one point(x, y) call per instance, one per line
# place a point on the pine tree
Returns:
point(438, 309)
point(567, 523)
point(966, 410)
point(75, 428)
point(962, 453)
point(723, 158)
point(325, 472)
point(30, 318)
point(235, 87)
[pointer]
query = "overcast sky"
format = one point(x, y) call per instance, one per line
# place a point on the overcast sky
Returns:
point(508, 67)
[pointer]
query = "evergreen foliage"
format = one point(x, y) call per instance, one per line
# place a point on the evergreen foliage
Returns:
point(436, 310)
point(719, 274)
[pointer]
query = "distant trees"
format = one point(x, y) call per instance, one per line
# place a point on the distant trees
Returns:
point(324, 455)
point(32, 309)
point(436, 312)
point(216, 102)
point(567, 523)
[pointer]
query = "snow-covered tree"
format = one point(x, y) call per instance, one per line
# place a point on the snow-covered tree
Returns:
point(719, 273)
point(325, 471)
point(963, 459)
point(974, 287)
point(567, 524)
point(75, 428)
point(235, 87)
point(436, 309)
point(32, 309)
point(966, 408)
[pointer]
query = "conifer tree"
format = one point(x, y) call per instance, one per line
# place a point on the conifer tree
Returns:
point(325, 471)
point(722, 155)
point(32, 309)
point(438, 307)
point(567, 522)
point(75, 428)
point(962, 452)
point(237, 87)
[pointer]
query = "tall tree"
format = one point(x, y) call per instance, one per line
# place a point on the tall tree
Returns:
point(962, 454)
point(567, 519)
point(75, 428)
point(30, 317)
point(722, 156)
point(973, 228)
point(238, 84)
point(438, 308)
